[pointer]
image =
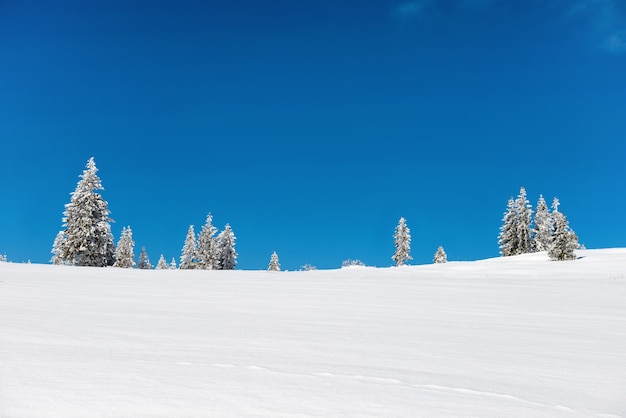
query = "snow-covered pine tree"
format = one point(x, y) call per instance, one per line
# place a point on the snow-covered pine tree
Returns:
point(173, 264)
point(88, 239)
point(402, 240)
point(124, 252)
point(189, 257)
point(543, 228)
point(56, 249)
point(144, 260)
point(274, 264)
point(524, 214)
point(564, 240)
point(508, 231)
point(162, 264)
point(227, 255)
point(440, 256)
point(207, 246)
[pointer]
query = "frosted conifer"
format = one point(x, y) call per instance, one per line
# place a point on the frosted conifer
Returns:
point(564, 240)
point(274, 264)
point(162, 264)
point(207, 246)
point(144, 260)
point(56, 249)
point(88, 239)
point(402, 239)
point(173, 264)
point(440, 256)
point(543, 228)
point(226, 253)
point(524, 219)
point(508, 231)
point(124, 252)
point(189, 257)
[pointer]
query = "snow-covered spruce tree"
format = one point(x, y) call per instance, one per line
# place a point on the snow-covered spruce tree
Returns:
point(524, 214)
point(125, 250)
point(88, 239)
point(508, 231)
point(402, 239)
point(440, 256)
point(227, 255)
point(56, 249)
point(207, 246)
point(162, 264)
point(189, 257)
point(274, 264)
point(144, 260)
point(543, 228)
point(564, 240)
point(173, 264)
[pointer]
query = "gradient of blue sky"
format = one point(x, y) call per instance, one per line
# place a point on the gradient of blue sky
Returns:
point(311, 127)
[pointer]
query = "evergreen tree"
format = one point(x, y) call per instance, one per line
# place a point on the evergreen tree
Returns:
point(402, 239)
point(88, 239)
point(524, 213)
point(543, 228)
point(189, 257)
point(274, 264)
point(162, 264)
point(56, 249)
point(440, 256)
point(124, 252)
point(173, 264)
point(564, 240)
point(226, 244)
point(508, 231)
point(144, 260)
point(207, 246)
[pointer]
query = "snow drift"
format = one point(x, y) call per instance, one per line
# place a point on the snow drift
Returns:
point(516, 336)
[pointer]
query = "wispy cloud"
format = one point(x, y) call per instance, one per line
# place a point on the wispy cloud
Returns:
point(607, 21)
point(410, 9)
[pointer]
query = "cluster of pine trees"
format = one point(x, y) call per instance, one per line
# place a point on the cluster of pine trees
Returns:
point(402, 241)
point(86, 238)
point(548, 231)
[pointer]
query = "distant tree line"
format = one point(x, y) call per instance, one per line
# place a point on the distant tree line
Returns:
point(86, 238)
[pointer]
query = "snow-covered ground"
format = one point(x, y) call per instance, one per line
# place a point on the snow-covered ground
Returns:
point(506, 337)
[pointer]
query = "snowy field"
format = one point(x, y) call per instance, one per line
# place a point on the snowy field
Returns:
point(507, 337)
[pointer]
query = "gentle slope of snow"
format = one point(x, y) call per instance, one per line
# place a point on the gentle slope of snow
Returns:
point(517, 336)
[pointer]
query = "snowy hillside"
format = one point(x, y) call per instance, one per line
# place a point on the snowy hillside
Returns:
point(507, 337)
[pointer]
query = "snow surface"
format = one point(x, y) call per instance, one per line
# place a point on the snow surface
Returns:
point(507, 337)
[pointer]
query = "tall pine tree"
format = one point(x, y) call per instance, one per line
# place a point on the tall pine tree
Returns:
point(207, 246)
point(124, 252)
point(543, 228)
point(508, 231)
point(88, 239)
point(226, 253)
point(56, 249)
point(524, 214)
point(189, 257)
point(402, 240)
point(564, 240)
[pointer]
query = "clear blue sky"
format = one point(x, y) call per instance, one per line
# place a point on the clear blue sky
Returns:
point(312, 127)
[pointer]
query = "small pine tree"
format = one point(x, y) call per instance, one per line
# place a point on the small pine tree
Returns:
point(274, 264)
point(124, 252)
point(543, 228)
point(173, 264)
point(56, 249)
point(564, 240)
point(189, 257)
point(144, 260)
point(440, 256)
point(207, 246)
point(226, 244)
point(402, 239)
point(508, 231)
point(524, 214)
point(162, 264)
point(88, 239)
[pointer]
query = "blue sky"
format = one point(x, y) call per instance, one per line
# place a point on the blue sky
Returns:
point(312, 127)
